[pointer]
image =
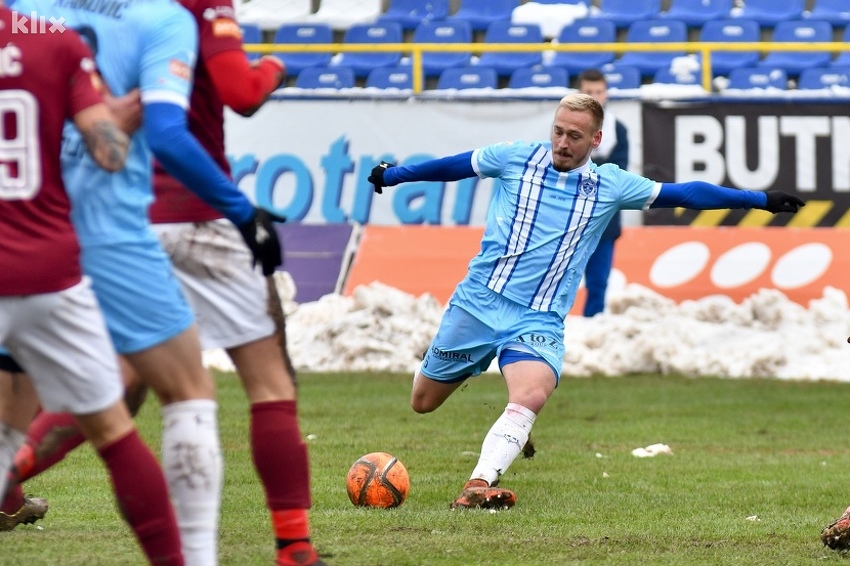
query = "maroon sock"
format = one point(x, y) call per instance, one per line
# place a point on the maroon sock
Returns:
point(280, 455)
point(52, 436)
point(49, 438)
point(142, 496)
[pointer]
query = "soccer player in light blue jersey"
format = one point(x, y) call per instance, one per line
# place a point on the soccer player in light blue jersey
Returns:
point(544, 221)
point(151, 45)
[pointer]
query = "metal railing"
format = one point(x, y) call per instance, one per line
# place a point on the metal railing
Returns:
point(704, 49)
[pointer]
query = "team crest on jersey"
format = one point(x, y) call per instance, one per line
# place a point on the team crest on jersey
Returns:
point(588, 183)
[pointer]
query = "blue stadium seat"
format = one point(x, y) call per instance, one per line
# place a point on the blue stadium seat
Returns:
point(539, 77)
point(695, 13)
point(301, 34)
point(758, 77)
point(411, 13)
point(325, 77)
point(468, 77)
point(573, 2)
point(666, 76)
point(506, 63)
point(391, 77)
point(621, 76)
point(836, 12)
point(824, 77)
point(843, 57)
point(434, 63)
point(768, 13)
point(481, 13)
point(653, 31)
point(363, 62)
point(731, 31)
point(626, 12)
point(591, 30)
point(799, 31)
point(251, 33)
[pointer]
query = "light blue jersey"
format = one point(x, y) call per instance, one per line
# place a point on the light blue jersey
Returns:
point(543, 225)
point(145, 44)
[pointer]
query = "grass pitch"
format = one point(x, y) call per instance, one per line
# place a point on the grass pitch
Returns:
point(759, 467)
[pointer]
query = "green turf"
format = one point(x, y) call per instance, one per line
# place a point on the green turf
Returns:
point(759, 468)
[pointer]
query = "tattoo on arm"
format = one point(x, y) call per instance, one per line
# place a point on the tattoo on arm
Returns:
point(107, 144)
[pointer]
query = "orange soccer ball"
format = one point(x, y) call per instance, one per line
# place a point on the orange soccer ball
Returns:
point(377, 480)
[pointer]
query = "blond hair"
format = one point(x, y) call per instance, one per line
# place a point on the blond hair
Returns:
point(578, 102)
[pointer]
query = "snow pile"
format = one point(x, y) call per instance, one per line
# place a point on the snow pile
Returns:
point(380, 328)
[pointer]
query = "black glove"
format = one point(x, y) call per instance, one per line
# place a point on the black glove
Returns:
point(260, 235)
point(777, 201)
point(377, 176)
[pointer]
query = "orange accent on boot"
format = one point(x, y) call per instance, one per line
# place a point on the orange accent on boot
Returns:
point(476, 483)
point(24, 461)
point(291, 524)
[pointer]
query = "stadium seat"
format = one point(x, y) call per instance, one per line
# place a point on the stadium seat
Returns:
point(667, 76)
point(768, 13)
point(271, 14)
point(836, 12)
point(585, 31)
point(799, 31)
point(695, 13)
point(824, 77)
point(435, 62)
point(539, 77)
point(325, 77)
point(506, 63)
point(411, 13)
point(481, 13)
point(731, 30)
point(653, 31)
point(758, 77)
point(843, 57)
point(621, 77)
point(626, 12)
point(468, 77)
point(363, 62)
point(251, 33)
point(289, 34)
point(391, 77)
point(342, 14)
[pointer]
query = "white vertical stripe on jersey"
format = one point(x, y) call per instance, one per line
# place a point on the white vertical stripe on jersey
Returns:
point(582, 211)
point(530, 189)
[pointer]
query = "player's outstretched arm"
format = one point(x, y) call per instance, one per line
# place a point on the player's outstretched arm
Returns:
point(244, 86)
point(181, 154)
point(451, 168)
point(106, 143)
point(699, 195)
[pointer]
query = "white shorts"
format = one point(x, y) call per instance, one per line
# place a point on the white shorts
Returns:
point(228, 295)
point(61, 340)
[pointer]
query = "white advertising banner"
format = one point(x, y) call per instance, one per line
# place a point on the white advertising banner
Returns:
point(309, 159)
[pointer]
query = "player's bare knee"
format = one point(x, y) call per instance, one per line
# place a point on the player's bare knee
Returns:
point(422, 403)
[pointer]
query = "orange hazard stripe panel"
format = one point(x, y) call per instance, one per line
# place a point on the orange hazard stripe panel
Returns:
point(414, 259)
